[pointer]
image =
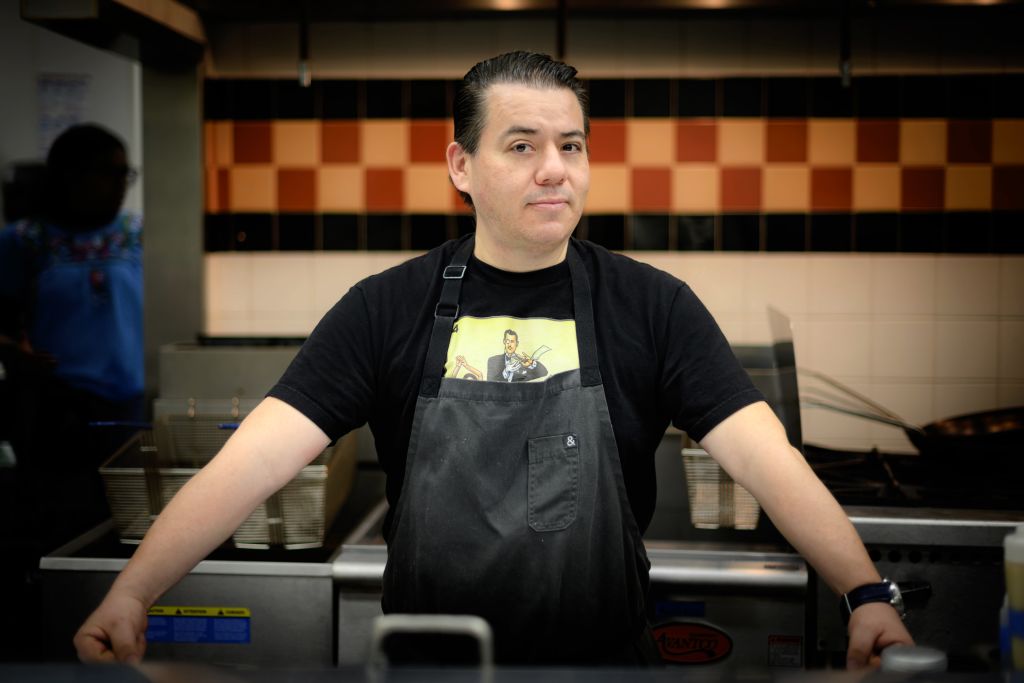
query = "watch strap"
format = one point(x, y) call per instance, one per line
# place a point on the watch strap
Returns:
point(886, 591)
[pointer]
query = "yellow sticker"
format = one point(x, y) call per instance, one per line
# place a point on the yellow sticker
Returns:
point(191, 611)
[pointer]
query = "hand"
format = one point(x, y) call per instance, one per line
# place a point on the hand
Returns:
point(873, 627)
point(115, 632)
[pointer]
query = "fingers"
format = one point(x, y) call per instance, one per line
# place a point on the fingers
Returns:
point(861, 648)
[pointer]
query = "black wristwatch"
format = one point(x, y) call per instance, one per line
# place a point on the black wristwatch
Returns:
point(886, 591)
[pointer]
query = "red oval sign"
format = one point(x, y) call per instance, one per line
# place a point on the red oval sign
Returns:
point(690, 643)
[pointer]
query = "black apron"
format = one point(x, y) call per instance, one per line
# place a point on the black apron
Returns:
point(514, 507)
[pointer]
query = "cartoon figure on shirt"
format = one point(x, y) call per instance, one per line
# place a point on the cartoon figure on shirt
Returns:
point(464, 370)
point(511, 366)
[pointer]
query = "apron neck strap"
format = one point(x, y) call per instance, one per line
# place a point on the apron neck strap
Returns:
point(446, 312)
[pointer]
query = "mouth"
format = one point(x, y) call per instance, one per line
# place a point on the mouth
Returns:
point(550, 204)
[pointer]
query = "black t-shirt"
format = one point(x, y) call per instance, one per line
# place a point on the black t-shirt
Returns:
point(662, 357)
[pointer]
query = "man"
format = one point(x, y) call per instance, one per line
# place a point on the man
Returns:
point(523, 502)
point(511, 366)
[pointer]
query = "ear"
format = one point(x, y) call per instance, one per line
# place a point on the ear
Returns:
point(458, 166)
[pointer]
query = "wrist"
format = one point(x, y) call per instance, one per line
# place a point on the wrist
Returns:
point(885, 591)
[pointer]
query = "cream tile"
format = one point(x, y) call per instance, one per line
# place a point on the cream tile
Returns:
point(341, 188)
point(876, 187)
point(733, 326)
point(718, 280)
point(966, 349)
point(650, 142)
point(1011, 349)
point(756, 329)
point(967, 285)
point(227, 282)
point(1011, 285)
point(963, 398)
point(779, 281)
point(253, 188)
point(824, 427)
point(296, 143)
point(610, 189)
point(225, 326)
point(426, 188)
point(280, 325)
point(902, 349)
point(282, 285)
point(923, 142)
point(913, 402)
point(840, 284)
point(223, 141)
point(903, 285)
point(831, 142)
point(786, 188)
point(384, 142)
point(1008, 141)
point(695, 188)
point(1010, 394)
point(741, 141)
point(839, 348)
point(335, 273)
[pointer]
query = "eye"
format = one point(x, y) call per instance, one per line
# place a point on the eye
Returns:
point(520, 147)
point(572, 147)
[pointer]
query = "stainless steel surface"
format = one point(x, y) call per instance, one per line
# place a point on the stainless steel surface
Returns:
point(931, 526)
point(244, 372)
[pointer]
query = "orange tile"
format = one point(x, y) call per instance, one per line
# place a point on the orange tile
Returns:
point(970, 142)
point(341, 188)
point(876, 187)
point(831, 142)
point(969, 188)
point(296, 143)
point(251, 142)
point(697, 141)
point(696, 188)
point(831, 189)
point(1007, 182)
point(650, 142)
point(211, 192)
point(786, 140)
point(923, 189)
point(786, 188)
point(652, 189)
point(741, 189)
point(922, 142)
point(223, 143)
point(426, 188)
point(878, 140)
point(384, 142)
point(296, 190)
point(1008, 141)
point(607, 141)
point(339, 141)
point(741, 141)
point(457, 204)
point(428, 141)
point(384, 189)
point(610, 188)
point(253, 188)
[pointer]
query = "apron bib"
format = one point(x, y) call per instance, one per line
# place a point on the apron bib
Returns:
point(514, 507)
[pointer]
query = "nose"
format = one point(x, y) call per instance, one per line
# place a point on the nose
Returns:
point(551, 169)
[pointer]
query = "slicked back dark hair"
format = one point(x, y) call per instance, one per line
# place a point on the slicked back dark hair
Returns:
point(516, 68)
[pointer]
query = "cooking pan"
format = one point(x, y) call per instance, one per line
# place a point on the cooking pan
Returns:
point(990, 433)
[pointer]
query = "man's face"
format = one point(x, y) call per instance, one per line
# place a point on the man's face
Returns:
point(530, 174)
point(511, 342)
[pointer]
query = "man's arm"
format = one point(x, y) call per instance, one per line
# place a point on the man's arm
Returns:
point(269, 448)
point(751, 446)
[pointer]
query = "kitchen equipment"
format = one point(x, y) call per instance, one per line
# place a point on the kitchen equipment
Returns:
point(1013, 547)
point(715, 499)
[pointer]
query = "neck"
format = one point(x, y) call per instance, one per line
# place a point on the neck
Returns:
point(515, 259)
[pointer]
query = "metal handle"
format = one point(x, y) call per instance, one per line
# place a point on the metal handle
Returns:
point(428, 625)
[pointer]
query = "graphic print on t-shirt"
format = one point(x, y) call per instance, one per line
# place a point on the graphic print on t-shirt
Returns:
point(503, 349)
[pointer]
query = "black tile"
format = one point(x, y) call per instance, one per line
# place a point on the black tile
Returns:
point(251, 99)
point(607, 230)
point(785, 232)
point(876, 232)
point(650, 231)
point(296, 232)
point(427, 231)
point(786, 97)
point(921, 232)
point(216, 99)
point(741, 97)
point(253, 231)
point(384, 100)
point(967, 232)
point(829, 98)
point(923, 97)
point(695, 233)
point(651, 97)
point(383, 232)
point(292, 101)
point(1008, 96)
point(696, 97)
point(877, 97)
point(217, 234)
point(340, 99)
point(831, 232)
point(607, 98)
point(741, 232)
point(428, 100)
point(1008, 232)
point(969, 97)
point(465, 224)
point(341, 232)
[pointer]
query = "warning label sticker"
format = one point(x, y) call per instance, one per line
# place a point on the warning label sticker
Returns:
point(189, 624)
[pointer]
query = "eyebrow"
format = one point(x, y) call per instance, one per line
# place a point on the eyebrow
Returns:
point(523, 130)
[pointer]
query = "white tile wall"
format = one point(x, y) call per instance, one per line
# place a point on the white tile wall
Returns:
point(926, 336)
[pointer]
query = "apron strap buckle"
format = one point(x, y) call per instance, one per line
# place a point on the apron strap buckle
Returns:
point(450, 310)
point(453, 272)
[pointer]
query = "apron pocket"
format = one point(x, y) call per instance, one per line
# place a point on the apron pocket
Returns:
point(554, 481)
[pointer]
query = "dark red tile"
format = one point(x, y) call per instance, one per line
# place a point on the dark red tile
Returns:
point(786, 140)
point(339, 142)
point(1008, 188)
point(428, 141)
point(969, 142)
point(652, 189)
point(696, 141)
point(251, 142)
point(607, 141)
point(878, 140)
point(923, 189)
point(296, 189)
point(741, 189)
point(223, 190)
point(831, 189)
point(384, 189)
